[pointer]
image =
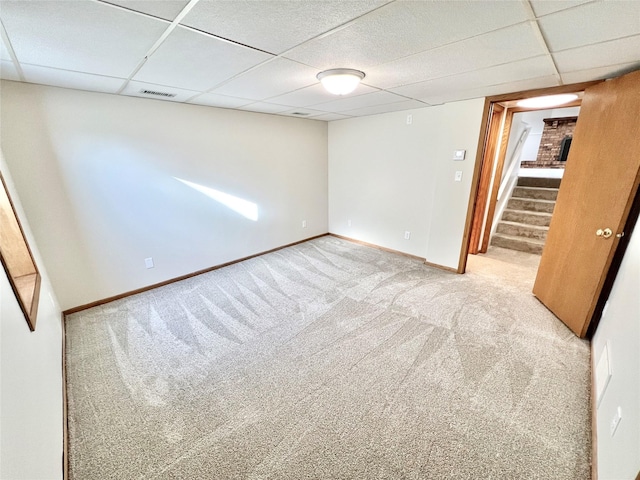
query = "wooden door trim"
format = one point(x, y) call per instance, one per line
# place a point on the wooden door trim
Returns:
point(489, 154)
point(575, 87)
point(497, 180)
point(464, 249)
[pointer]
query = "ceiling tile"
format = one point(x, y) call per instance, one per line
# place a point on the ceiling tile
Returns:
point(274, 26)
point(509, 87)
point(263, 107)
point(359, 101)
point(167, 9)
point(274, 78)
point(196, 61)
point(68, 79)
point(313, 95)
point(591, 23)
point(405, 28)
point(8, 71)
point(545, 7)
point(223, 101)
point(391, 107)
point(496, 48)
point(90, 37)
point(624, 50)
point(330, 117)
point(133, 89)
point(599, 73)
point(511, 72)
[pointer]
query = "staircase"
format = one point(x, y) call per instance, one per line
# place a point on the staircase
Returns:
point(525, 221)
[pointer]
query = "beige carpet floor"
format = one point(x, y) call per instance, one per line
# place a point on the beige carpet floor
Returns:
point(330, 360)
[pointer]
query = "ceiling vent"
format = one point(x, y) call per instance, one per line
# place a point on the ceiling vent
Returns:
point(158, 94)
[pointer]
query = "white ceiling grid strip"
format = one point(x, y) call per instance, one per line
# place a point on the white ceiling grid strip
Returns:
point(160, 41)
point(543, 42)
point(284, 54)
point(12, 53)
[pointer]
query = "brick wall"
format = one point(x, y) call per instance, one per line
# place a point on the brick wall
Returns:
point(555, 129)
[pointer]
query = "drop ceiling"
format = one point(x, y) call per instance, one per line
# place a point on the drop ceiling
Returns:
point(263, 56)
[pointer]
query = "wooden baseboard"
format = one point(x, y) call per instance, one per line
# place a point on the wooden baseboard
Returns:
point(65, 410)
point(182, 277)
point(373, 245)
point(442, 267)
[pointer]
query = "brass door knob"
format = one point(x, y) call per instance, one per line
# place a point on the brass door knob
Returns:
point(606, 233)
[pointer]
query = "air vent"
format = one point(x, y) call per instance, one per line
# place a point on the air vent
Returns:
point(158, 94)
point(301, 114)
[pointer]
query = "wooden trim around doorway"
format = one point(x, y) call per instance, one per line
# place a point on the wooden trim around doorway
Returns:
point(576, 87)
point(497, 180)
point(462, 260)
point(489, 155)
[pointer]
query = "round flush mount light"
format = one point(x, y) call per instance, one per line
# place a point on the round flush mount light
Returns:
point(547, 101)
point(340, 81)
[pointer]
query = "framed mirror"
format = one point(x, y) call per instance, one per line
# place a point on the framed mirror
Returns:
point(17, 259)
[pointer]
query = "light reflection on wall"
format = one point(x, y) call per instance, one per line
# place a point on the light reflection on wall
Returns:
point(244, 207)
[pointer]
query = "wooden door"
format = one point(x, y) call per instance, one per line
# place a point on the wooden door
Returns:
point(599, 184)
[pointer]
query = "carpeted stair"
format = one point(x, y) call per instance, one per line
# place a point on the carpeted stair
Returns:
point(526, 219)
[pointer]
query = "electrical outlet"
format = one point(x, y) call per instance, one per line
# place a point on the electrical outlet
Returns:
point(304, 224)
point(409, 119)
point(407, 235)
point(148, 262)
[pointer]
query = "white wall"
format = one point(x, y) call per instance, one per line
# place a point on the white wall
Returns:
point(30, 377)
point(96, 175)
point(619, 456)
point(388, 177)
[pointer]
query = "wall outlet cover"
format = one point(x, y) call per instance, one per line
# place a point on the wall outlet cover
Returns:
point(615, 421)
point(602, 374)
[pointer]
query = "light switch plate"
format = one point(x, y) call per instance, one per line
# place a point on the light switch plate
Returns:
point(458, 177)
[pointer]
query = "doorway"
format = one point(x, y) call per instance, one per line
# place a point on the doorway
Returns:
point(521, 169)
point(599, 188)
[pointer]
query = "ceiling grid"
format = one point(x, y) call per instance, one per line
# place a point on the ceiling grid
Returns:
point(264, 56)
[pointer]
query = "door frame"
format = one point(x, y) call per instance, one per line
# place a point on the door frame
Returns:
point(480, 163)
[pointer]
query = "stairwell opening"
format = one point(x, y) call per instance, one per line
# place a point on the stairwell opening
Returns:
point(520, 174)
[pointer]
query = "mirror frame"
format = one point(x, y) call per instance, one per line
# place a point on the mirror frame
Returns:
point(28, 295)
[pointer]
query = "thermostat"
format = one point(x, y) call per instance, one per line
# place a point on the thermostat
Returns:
point(459, 154)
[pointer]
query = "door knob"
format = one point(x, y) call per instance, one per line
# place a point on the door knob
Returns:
point(606, 233)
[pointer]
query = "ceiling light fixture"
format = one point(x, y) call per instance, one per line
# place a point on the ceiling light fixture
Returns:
point(547, 101)
point(340, 81)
